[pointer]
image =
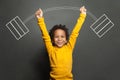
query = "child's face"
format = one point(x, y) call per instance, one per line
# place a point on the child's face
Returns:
point(59, 38)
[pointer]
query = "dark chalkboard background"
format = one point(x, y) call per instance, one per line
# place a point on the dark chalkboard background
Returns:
point(26, 59)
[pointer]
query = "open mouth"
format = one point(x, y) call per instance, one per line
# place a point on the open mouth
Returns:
point(60, 43)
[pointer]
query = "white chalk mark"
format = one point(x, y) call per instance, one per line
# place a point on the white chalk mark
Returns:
point(61, 8)
point(102, 25)
point(15, 24)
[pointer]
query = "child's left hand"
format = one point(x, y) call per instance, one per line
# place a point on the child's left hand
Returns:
point(83, 10)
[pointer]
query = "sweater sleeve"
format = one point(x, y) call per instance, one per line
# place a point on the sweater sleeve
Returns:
point(75, 31)
point(45, 34)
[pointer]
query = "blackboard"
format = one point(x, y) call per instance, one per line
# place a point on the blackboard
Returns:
point(24, 56)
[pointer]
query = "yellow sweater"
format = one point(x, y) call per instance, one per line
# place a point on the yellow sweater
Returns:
point(61, 58)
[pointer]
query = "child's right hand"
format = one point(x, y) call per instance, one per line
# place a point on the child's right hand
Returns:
point(39, 13)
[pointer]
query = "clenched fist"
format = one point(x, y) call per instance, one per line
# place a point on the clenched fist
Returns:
point(83, 10)
point(39, 13)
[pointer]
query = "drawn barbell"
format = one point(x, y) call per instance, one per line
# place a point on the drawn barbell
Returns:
point(101, 25)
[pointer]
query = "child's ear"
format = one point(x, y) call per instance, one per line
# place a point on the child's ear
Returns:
point(66, 41)
point(52, 41)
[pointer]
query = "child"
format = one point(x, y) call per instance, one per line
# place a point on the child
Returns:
point(59, 47)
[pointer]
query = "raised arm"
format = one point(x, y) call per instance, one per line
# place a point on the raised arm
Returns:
point(77, 28)
point(42, 25)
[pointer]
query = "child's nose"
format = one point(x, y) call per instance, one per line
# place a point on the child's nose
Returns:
point(59, 38)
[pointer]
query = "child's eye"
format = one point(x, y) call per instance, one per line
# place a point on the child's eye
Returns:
point(63, 36)
point(56, 36)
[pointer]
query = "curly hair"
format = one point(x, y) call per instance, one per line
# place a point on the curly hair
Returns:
point(60, 26)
